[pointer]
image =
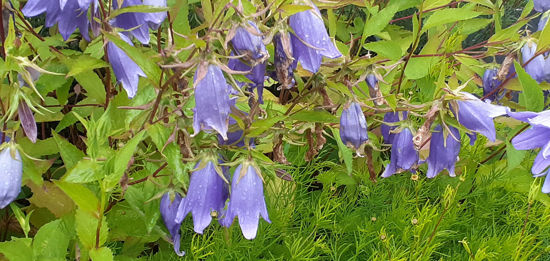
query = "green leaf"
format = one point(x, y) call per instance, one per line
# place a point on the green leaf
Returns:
point(449, 15)
point(51, 241)
point(344, 152)
point(509, 34)
point(18, 249)
point(532, 97)
point(101, 254)
point(544, 39)
point(122, 157)
point(51, 197)
point(86, 229)
point(419, 67)
point(260, 126)
point(82, 196)
point(92, 84)
point(513, 157)
point(159, 134)
point(378, 21)
point(84, 63)
point(149, 67)
point(84, 171)
point(388, 49)
point(290, 9)
point(140, 198)
point(69, 153)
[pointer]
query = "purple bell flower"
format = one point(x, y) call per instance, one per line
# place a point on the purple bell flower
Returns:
point(542, 23)
point(443, 152)
point(154, 20)
point(251, 44)
point(168, 210)
point(27, 120)
point(246, 201)
point(353, 126)
point(477, 115)
point(535, 68)
point(68, 14)
point(212, 102)
point(541, 6)
point(256, 75)
point(372, 82)
point(135, 22)
point(490, 82)
point(126, 70)
point(391, 117)
point(207, 193)
point(311, 40)
point(236, 137)
point(535, 137)
point(403, 154)
point(283, 61)
point(11, 172)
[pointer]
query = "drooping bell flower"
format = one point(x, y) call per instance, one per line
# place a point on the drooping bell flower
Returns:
point(26, 118)
point(126, 70)
point(154, 20)
point(168, 210)
point(541, 6)
point(135, 22)
point(403, 154)
point(256, 75)
point(283, 61)
point(542, 23)
point(69, 15)
point(247, 200)
point(391, 117)
point(311, 40)
point(538, 136)
point(353, 126)
point(372, 82)
point(477, 115)
point(443, 152)
point(212, 102)
point(10, 175)
point(490, 82)
point(535, 68)
point(206, 195)
point(248, 41)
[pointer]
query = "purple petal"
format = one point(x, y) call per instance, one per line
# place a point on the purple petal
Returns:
point(27, 121)
point(542, 5)
point(245, 42)
point(168, 211)
point(391, 117)
point(403, 154)
point(246, 201)
point(490, 82)
point(212, 102)
point(546, 185)
point(135, 22)
point(540, 164)
point(126, 70)
point(308, 57)
point(443, 152)
point(535, 137)
point(535, 68)
point(11, 171)
point(72, 17)
point(155, 19)
point(353, 126)
point(207, 192)
point(309, 27)
point(477, 115)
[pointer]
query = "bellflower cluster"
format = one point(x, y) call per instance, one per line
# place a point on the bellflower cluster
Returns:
point(11, 173)
point(443, 151)
point(247, 200)
point(477, 115)
point(403, 154)
point(168, 210)
point(353, 126)
point(212, 102)
point(126, 70)
point(207, 193)
point(535, 137)
point(256, 75)
point(310, 41)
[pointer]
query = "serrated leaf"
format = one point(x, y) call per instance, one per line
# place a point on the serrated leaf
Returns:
point(314, 116)
point(86, 227)
point(92, 84)
point(82, 196)
point(388, 49)
point(51, 197)
point(449, 15)
point(51, 241)
point(17, 249)
point(69, 153)
point(101, 254)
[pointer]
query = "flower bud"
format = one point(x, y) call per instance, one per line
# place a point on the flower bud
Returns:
point(443, 152)
point(490, 82)
point(27, 120)
point(353, 126)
